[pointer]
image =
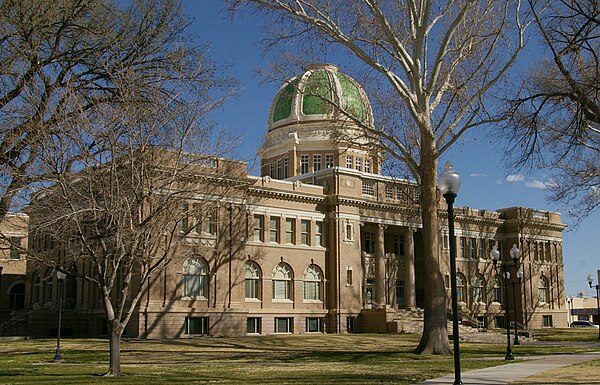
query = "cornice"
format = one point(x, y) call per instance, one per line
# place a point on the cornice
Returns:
point(535, 224)
point(284, 195)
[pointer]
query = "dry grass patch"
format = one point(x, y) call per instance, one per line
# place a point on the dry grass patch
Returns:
point(587, 373)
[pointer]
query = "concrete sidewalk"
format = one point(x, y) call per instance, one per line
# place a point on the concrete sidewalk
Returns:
point(505, 374)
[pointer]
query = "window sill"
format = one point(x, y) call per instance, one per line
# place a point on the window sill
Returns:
point(254, 300)
point(282, 300)
point(194, 298)
point(312, 301)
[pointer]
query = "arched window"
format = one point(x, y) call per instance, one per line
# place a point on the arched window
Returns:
point(70, 288)
point(460, 288)
point(16, 296)
point(497, 289)
point(252, 275)
point(312, 283)
point(195, 278)
point(35, 288)
point(478, 288)
point(282, 282)
point(543, 290)
point(48, 283)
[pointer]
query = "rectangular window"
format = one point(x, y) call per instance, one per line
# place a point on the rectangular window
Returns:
point(209, 225)
point(349, 276)
point(252, 288)
point(349, 233)
point(368, 188)
point(319, 233)
point(281, 289)
point(401, 194)
point(312, 290)
point(389, 192)
point(196, 325)
point(314, 325)
point(399, 244)
point(349, 161)
point(328, 160)
point(274, 229)
point(500, 322)
point(358, 163)
point(253, 325)
point(369, 246)
point(15, 246)
point(102, 326)
point(48, 281)
point(183, 224)
point(463, 245)
point(259, 222)
point(303, 164)
point(272, 169)
point(290, 231)
point(286, 168)
point(367, 165)
point(279, 169)
point(316, 162)
point(400, 293)
point(305, 232)
point(472, 247)
point(197, 217)
point(497, 293)
point(482, 248)
point(283, 325)
point(350, 324)
point(547, 319)
point(446, 243)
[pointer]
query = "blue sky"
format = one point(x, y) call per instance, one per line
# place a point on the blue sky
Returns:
point(485, 183)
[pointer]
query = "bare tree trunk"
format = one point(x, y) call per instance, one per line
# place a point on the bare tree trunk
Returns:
point(434, 339)
point(115, 332)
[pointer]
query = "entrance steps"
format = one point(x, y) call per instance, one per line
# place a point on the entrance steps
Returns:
point(411, 321)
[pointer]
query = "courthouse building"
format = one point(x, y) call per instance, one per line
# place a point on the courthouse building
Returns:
point(329, 243)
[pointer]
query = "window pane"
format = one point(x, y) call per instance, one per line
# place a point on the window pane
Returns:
point(313, 325)
point(253, 325)
point(258, 228)
point(305, 232)
point(290, 230)
point(281, 289)
point(274, 230)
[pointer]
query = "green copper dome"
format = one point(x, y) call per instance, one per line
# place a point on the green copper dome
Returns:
point(322, 93)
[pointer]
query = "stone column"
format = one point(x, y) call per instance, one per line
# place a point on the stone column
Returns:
point(380, 267)
point(410, 301)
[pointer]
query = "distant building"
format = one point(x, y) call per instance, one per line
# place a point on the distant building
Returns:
point(13, 265)
point(328, 243)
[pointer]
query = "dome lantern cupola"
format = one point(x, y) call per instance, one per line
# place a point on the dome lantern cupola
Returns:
point(310, 119)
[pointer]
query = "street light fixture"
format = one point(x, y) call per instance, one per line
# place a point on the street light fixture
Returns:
point(449, 184)
point(515, 253)
point(61, 275)
point(520, 278)
point(590, 281)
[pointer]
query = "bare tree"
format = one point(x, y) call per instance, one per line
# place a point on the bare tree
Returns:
point(124, 214)
point(555, 119)
point(61, 60)
point(438, 61)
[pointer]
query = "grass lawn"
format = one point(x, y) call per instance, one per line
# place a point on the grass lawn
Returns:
point(282, 359)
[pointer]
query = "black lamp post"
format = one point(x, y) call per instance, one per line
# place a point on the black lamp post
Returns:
point(520, 278)
point(449, 184)
point(570, 302)
point(60, 274)
point(515, 253)
point(590, 281)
